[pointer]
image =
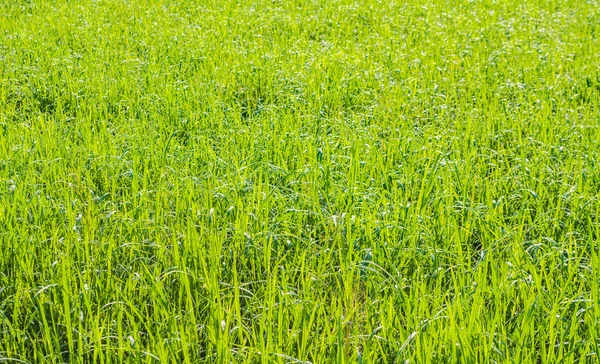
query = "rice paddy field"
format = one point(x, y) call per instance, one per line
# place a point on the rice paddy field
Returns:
point(302, 181)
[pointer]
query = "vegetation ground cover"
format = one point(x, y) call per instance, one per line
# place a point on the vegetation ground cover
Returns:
point(299, 181)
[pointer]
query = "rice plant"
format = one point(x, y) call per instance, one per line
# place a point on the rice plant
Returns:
point(299, 181)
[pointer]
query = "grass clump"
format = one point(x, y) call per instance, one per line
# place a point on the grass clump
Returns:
point(299, 181)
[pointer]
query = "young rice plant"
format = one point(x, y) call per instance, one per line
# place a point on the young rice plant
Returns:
point(302, 181)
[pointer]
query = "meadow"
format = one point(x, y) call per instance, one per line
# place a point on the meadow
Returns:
point(299, 181)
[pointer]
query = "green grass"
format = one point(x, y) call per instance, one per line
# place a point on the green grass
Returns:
point(344, 181)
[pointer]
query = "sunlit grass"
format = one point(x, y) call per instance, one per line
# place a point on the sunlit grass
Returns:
point(299, 181)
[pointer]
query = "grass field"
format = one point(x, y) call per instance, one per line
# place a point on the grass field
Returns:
point(344, 181)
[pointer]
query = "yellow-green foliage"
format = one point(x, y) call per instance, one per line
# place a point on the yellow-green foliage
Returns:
point(299, 181)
